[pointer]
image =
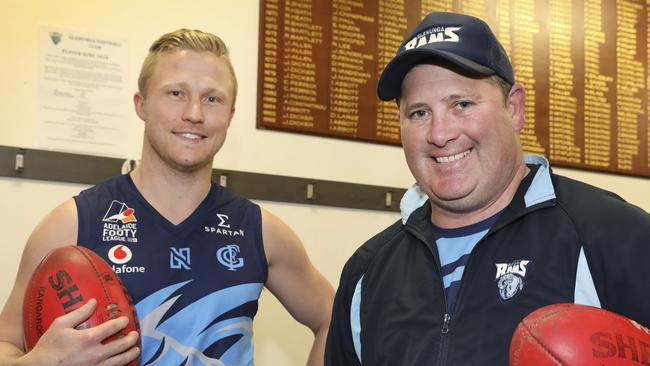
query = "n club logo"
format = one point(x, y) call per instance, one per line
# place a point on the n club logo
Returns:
point(179, 258)
point(120, 223)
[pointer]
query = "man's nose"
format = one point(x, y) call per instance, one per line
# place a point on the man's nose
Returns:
point(442, 129)
point(193, 111)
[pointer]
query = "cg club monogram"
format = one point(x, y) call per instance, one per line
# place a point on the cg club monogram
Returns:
point(228, 257)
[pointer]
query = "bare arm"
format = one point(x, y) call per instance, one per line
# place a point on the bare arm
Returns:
point(61, 344)
point(299, 286)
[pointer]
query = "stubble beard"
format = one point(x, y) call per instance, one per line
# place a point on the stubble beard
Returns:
point(177, 164)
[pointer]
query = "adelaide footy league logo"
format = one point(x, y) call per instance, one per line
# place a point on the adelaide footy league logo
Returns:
point(510, 278)
point(119, 212)
point(120, 223)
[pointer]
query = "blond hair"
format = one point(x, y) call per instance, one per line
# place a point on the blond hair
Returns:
point(185, 39)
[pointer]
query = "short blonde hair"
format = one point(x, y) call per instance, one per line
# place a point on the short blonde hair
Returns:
point(185, 39)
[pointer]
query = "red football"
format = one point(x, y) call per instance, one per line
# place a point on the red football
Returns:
point(579, 335)
point(67, 278)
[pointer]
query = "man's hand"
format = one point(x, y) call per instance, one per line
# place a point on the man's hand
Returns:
point(62, 344)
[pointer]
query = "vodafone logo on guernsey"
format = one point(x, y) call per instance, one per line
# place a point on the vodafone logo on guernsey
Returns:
point(120, 255)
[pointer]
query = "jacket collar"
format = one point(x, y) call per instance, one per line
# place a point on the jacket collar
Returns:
point(540, 190)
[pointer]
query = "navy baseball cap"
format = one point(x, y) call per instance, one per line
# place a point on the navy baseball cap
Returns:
point(460, 40)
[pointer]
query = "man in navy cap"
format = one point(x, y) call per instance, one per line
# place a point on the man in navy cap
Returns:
point(487, 234)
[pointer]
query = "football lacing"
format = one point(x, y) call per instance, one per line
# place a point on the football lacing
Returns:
point(113, 311)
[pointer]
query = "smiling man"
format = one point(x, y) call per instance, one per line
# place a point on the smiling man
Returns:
point(193, 256)
point(487, 234)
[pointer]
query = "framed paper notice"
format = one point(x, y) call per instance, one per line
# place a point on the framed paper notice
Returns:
point(82, 94)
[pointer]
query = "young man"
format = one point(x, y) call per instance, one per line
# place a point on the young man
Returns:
point(487, 234)
point(193, 256)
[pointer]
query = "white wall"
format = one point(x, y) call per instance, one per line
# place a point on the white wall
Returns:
point(330, 234)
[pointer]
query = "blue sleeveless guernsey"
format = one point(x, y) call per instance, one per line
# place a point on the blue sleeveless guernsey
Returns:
point(196, 284)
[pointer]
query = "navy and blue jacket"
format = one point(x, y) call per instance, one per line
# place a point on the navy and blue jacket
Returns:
point(558, 241)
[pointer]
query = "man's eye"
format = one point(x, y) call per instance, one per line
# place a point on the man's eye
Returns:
point(214, 99)
point(418, 114)
point(176, 93)
point(464, 104)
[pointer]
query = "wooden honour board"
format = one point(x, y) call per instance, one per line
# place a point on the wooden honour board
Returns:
point(584, 65)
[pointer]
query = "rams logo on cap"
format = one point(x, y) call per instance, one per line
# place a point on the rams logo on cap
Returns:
point(433, 35)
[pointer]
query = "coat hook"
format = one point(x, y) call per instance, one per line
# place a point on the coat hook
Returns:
point(20, 161)
point(388, 201)
point(128, 165)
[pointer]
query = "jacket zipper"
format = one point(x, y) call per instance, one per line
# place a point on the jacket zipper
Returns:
point(444, 340)
point(445, 323)
point(446, 320)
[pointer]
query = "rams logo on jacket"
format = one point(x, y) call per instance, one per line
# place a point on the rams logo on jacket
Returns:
point(510, 278)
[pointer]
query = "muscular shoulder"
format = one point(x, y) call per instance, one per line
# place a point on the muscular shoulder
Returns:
point(58, 228)
point(278, 238)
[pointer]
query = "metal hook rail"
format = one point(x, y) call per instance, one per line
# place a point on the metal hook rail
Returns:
point(55, 166)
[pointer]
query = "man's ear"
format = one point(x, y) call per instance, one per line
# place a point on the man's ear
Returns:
point(232, 114)
point(516, 106)
point(138, 102)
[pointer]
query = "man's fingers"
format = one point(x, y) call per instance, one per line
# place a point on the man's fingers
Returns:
point(122, 348)
point(123, 358)
point(109, 328)
point(77, 316)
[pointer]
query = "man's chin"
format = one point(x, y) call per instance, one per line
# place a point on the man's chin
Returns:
point(453, 200)
point(189, 167)
point(451, 189)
